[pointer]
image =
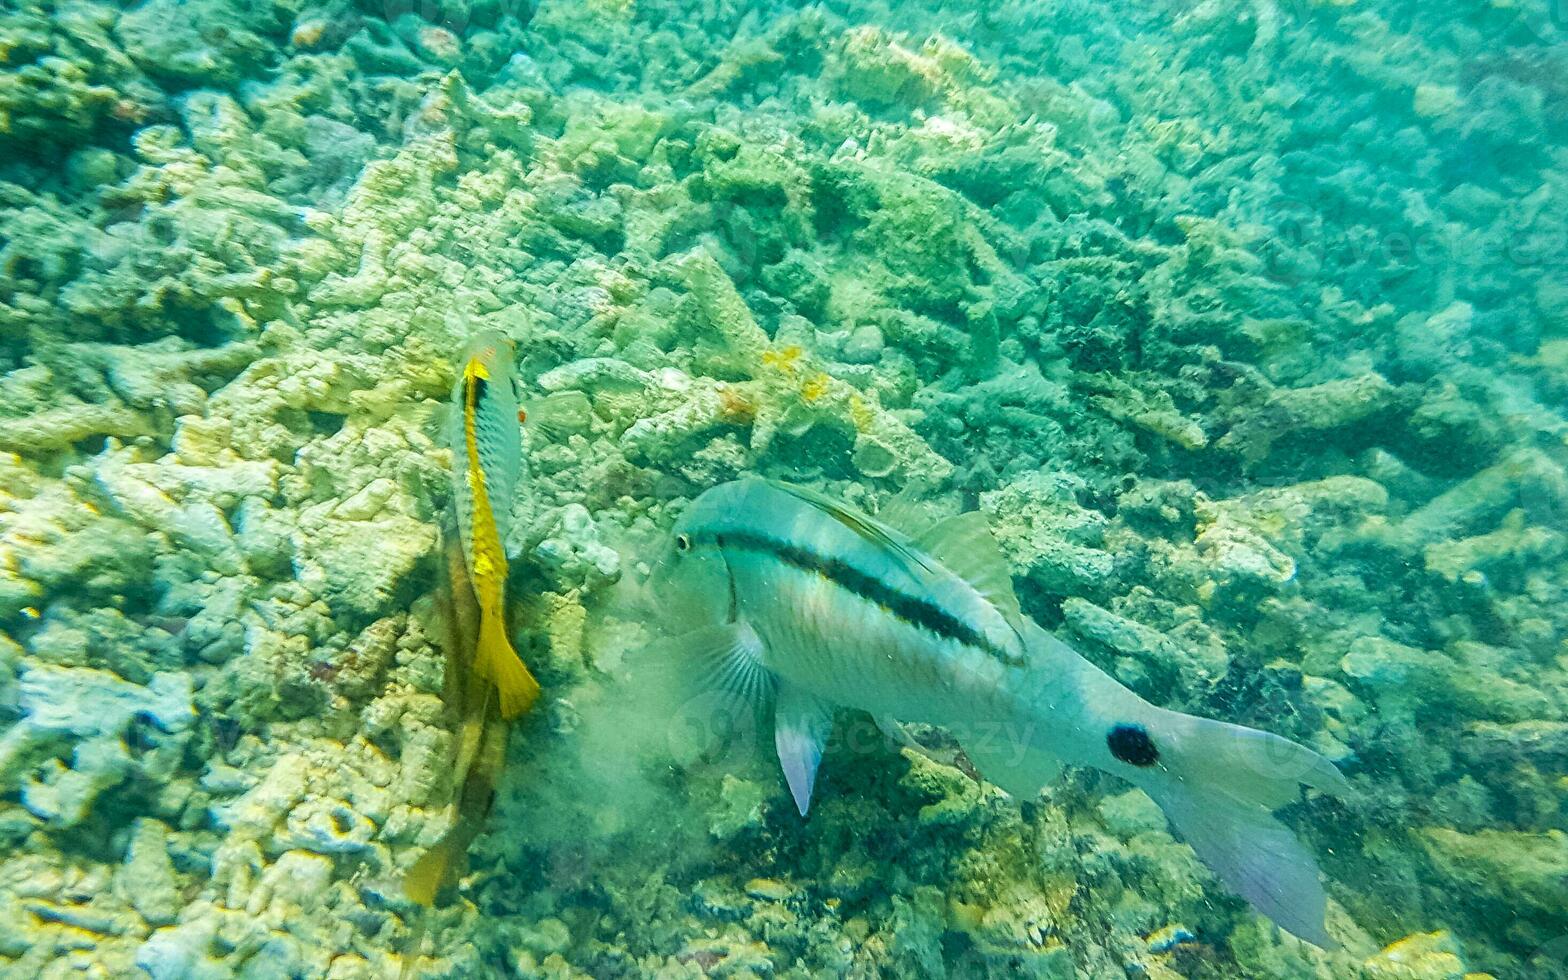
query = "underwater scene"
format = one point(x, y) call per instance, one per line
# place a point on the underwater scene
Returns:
point(851, 489)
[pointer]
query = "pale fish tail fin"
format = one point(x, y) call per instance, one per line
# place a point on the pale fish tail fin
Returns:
point(1219, 785)
point(496, 661)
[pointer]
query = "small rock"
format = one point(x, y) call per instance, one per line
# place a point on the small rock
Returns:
point(84, 702)
point(739, 809)
point(769, 889)
point(547, 936)
point(1423, 956)
point(297, 882)
point(1435, 100)
point(147, 878)
point(864, 345)
point(328, 827)
point(575, 552)
point(181, 953)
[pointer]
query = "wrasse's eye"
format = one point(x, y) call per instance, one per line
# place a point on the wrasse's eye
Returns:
point(683, 542)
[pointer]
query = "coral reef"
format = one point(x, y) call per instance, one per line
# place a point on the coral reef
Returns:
point(1243, 323)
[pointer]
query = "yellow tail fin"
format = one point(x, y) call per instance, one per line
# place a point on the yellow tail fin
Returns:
point(428, 874)
point(497, 661)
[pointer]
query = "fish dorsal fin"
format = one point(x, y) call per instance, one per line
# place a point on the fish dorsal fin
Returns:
point(862, 525)
point(964, 544)
point(912, 510)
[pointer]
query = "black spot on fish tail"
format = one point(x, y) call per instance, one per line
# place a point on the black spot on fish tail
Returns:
point(913, 610)
point(1131, 744)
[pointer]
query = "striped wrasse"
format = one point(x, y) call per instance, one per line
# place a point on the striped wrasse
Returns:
point(485, 434)
point(807, 604)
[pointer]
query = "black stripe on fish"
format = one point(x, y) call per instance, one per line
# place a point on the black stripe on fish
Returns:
point(912, 610)
point(477, 387)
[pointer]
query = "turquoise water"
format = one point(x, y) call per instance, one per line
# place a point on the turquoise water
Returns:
point(1245, 324)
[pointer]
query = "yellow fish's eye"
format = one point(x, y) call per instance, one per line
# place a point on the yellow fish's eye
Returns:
point(683, 542)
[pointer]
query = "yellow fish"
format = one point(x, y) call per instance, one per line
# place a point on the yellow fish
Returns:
point(486, 438)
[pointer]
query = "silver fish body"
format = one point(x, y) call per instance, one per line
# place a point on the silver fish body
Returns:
point(814, 605)
point(850, 620)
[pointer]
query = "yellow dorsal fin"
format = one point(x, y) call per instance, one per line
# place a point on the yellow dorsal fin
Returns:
point(853, 519)
point(965, 545)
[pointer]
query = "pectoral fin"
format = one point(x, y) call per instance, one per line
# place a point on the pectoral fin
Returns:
point(556, 415)
point(801, 725)
point(727, 661)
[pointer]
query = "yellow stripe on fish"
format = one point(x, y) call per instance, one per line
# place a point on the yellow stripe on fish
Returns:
point(487, 449)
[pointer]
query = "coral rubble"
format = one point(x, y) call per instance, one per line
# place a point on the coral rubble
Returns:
point(1244, 323)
